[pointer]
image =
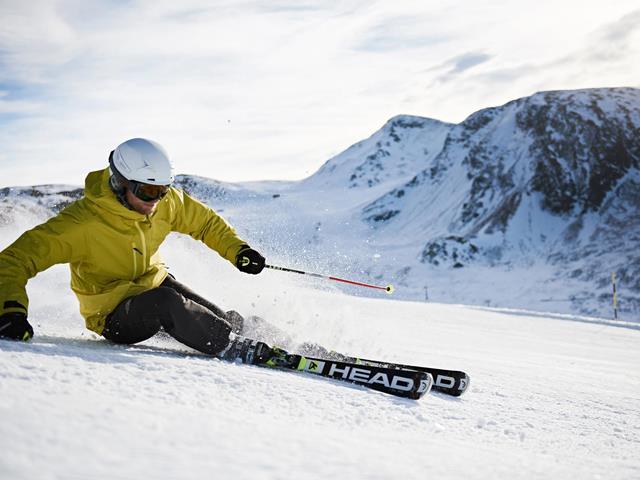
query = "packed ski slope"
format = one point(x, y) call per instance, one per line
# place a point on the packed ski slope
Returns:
point(551, 397)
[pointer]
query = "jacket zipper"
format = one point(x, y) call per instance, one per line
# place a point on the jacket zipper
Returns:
point(135, 250)
point(135, 260)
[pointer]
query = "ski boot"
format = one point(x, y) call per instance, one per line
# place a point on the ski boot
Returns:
point(254, 352)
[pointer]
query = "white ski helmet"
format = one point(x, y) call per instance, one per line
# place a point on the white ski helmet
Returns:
point(144, 161)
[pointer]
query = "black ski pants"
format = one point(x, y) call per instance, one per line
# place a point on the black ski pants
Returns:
point(182, 313)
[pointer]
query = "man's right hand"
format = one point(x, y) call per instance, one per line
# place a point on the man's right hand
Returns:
point(14, 325)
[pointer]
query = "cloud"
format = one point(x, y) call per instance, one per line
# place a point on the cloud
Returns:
point(468, 60)
point(615, 41)
point(33, 37)
point(298, 6)
point(397, 33)
point(620, 32)
point(599, 61)
point(16, 108)
point(607, 48)
point(459, 64)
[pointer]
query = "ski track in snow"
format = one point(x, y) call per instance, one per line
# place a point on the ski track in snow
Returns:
point(550, 396)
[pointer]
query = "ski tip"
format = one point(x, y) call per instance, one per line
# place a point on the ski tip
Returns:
point(423, 386)
point(464, 385)
point(455, 389)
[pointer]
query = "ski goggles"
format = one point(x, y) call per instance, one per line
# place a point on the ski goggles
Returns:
point(147, 192)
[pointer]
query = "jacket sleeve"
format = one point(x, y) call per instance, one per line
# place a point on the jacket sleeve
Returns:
point(34, 251)
point(202, 223)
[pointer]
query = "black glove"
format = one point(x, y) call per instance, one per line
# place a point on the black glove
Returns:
point(249, 261)
point(14, 325)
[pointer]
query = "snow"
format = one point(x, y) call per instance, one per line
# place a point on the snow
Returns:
point(551, 396)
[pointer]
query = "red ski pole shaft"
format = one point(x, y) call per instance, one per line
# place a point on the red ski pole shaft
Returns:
point(388, 288)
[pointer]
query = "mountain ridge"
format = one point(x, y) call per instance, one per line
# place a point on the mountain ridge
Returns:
point(545, 186)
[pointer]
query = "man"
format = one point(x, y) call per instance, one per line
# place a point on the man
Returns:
point(110, 239)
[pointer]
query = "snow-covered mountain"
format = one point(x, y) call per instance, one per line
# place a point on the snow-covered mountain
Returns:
point(393, 155)
point(550, 179)
point(532, 204)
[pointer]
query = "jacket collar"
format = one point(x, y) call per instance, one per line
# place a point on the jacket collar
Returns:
point(98, 191)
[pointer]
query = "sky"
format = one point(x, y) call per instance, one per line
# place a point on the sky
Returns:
point(269, 90)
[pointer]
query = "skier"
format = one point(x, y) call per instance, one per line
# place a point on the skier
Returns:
point(110, 239)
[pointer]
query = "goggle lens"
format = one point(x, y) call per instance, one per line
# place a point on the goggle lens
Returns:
point(149, 193)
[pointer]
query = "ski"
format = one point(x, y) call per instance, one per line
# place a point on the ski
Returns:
point(401, 383)
point(412, 384)
point(449, 382)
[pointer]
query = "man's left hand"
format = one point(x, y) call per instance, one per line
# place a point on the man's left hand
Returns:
point(249, 261)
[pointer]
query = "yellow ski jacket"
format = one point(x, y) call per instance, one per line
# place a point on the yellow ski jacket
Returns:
point(112, 251)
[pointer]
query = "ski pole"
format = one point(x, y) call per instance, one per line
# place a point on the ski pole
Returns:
point(389, 288)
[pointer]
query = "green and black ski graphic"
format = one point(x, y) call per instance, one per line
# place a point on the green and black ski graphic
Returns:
point(411, 384)
point(449, 382)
